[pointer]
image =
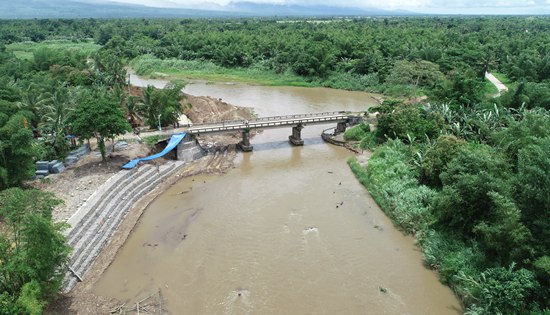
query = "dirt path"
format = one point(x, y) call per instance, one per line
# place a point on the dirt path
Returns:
point(496, 82)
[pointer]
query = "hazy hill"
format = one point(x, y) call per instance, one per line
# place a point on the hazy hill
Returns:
point(24, 9)
point(265, 9)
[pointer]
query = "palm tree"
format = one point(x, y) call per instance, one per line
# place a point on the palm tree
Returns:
point(134, 107)
point(55, 118)
point(108, 69)
point(33, 100)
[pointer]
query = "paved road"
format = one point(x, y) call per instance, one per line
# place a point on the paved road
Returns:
point(258, 123)
point(270, 122)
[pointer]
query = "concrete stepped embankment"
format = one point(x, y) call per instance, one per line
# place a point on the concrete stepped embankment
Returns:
point(99, 217)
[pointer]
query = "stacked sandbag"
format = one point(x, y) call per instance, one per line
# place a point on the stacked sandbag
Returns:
point(56, 167)
point(42, 169)
point(76, 154)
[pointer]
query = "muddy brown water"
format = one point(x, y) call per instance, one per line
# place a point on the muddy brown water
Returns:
point(289, 230)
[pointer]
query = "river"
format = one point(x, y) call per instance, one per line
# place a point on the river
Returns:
point(289, 230)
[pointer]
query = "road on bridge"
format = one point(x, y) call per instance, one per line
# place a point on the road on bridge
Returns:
point(257, 123)
point(270, 122)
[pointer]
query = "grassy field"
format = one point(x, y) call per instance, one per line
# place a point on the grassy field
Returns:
point(24, 50)
point(205, 70)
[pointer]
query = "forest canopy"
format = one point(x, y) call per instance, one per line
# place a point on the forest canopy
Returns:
point(459, 165)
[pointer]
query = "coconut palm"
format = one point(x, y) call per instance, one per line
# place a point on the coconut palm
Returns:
point(33, 100)
point(55, 119)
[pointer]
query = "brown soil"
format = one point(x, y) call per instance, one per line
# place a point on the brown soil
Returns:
point(79, 181)
point(206, 109)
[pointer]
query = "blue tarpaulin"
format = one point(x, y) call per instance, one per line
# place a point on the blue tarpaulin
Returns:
point(174, 141)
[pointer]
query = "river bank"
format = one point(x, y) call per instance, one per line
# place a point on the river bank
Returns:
point(283, 210)
point(79, 182)
point(237, 227)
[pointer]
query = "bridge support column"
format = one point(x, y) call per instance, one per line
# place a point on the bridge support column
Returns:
point(341, 127)
point(296, 137)
point(245, 145)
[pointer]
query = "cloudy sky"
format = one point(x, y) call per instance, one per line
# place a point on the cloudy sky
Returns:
point(424, 6)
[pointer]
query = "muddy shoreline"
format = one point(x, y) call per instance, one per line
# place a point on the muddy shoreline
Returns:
point(82, 300)
point(80, 181)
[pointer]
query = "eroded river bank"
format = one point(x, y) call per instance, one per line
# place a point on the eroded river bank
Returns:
point(289, 230)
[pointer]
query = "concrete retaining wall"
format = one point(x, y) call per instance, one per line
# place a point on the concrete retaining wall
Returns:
point(189, 151)
point(99, 217)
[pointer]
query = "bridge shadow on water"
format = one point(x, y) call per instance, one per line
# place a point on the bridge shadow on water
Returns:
point(285, 144)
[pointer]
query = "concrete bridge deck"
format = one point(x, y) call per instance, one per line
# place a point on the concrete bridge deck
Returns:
point(269, 122)
point(296, 122)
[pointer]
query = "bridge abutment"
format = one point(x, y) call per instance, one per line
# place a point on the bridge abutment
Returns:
point(341, 127)
point(296, 137)
point(189, 151)
point(245, 145)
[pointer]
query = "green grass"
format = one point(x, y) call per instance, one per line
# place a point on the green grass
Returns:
point(489, 89)
point(205, 70)
point(502, 78)
point(505, 80)
point(357, 133)
point(25, 50)
point(151, 140)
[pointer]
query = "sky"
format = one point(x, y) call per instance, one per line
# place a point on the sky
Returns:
point(422, 6)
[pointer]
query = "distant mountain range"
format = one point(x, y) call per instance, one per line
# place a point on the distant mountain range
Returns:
point(28, 9)
point(25, 9)
point(265, 9)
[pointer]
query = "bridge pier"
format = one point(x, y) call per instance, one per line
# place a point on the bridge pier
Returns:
point(296, 137)
point(245, 145)
point(340, 127)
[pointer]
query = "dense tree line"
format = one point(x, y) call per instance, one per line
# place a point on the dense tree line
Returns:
point(445, 58)
point(466, 173)
point(43, 100)
point(472, 184)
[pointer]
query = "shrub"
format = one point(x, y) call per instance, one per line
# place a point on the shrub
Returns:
point(500, 290)
point(357, 133)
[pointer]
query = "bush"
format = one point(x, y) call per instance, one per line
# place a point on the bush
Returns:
point(437, 157)
point(357, 133)
point(369, 141)
point(30, 298)
point(407, 122)
point(500, 290)
point(392, 183)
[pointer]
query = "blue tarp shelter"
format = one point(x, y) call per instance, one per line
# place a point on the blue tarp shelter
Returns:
point(174, 141)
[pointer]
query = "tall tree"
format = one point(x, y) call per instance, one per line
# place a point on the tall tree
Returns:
point(16, 154)
point(100, 116)
point(55, 119)
point(33, 251)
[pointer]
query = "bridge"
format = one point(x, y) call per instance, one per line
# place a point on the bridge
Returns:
point(297, 122)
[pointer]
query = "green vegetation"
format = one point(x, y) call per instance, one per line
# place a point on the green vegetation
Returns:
point(99, 116)
point(152, 140)
point(357, 133)
point(466, 173)
point(148, 65)
point(32, 251)
point(472, 185)
point(61, 90)
point(26, 50)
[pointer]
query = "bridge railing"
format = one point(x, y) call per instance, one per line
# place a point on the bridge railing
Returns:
point(263, 119)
